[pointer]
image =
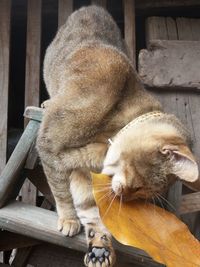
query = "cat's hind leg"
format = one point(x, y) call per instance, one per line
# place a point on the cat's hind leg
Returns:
point(68, 222)
point(99, 241)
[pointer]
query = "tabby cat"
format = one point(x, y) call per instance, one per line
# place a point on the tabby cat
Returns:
point(94, 93)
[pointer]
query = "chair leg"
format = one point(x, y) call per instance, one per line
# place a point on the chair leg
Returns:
point(15, 164)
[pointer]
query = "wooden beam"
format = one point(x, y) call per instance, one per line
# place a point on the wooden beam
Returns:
point(5, 9)
point(33, 49)
point(165, 65)
point(11, 172)
point(23, 254)
point(34, 113)
point(150, 4)
point(190, 203)
point(41, 224)
point(129, 28)
point(65, 8)
point(102, 3)
point(32, 80)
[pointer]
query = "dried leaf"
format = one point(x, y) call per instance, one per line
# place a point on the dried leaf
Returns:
point(146, 226)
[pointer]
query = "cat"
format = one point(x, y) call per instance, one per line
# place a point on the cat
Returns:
point(100, 118)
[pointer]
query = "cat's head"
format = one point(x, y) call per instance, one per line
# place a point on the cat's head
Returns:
point(144, 160)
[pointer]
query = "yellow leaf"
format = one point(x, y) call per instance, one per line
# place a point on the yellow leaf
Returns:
point(146, 226)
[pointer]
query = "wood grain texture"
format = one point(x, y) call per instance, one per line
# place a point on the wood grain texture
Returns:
point(34, 113)
point(41, 224)
point(5, 9)
point(33, 49)
point(10, 174)
point(190, 203)
point(184, 105)
point(129, 28)
point(165, 64)
point(65, 8)
point(32, 80)
point(149, 4)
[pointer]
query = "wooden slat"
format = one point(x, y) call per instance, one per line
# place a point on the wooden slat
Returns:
point(156, 29)
point(32, 81)
point(171, 29)
point(65, 8)
point(37, 177)
point(184, 29)
point(129, 28)
point(102, 3)
point(10, 174)
point(150, 4)
point(41, 224)
point(23, 254)
point(5, 8)
point(21, 257)
point(190, 203)
point(195, 26)
point(33, 49)
point(165, 65)
point(34, 113)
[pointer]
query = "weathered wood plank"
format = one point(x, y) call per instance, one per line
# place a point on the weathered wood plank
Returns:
point(155, 29)
point(9, 241)
point(21, 257)
point(174, 197)
point(190, 203)
point(129, 28)
point(23, 254)
point(102, 3)
point(195, 26)
point(37, 177)
point(32, 79)
point(10, 174)
point(34, 113)
point(165, 65)
point(65, 8)
point(171, 29)
point(41, 224)
point(33, 49)
point(150, 4)
point(5, 9)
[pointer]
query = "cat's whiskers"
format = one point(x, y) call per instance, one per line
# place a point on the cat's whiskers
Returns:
point(154, 203)
point(106, 195)
point(120, 204)
point(109, 205)
point(160, 201)
point(166, 201)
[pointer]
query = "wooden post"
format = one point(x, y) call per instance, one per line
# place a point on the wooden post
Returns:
point(32, 82)
point(65, 8)
point(10, 174)
point(5, 7)
point(129, 28)
point(102, 3)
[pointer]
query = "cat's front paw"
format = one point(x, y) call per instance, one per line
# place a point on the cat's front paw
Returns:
point(69, 227)
point(100, 257)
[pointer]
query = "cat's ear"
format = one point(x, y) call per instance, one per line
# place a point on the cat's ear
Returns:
point(183, 162)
